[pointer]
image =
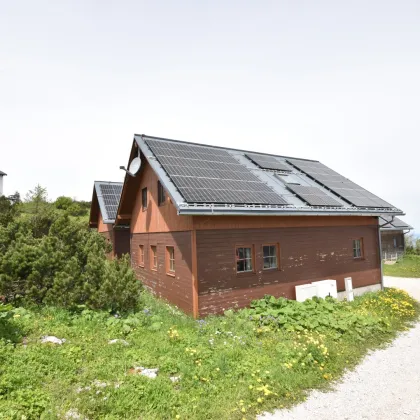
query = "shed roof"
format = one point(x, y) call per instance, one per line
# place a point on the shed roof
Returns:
point(204, 179)
point(106, 197)
point(389, 223)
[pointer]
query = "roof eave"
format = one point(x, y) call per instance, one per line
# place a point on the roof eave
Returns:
point(200, 211)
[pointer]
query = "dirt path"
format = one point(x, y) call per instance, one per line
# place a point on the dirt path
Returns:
point(385, 386)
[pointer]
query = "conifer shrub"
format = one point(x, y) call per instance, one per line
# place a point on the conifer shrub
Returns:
point(64, 266)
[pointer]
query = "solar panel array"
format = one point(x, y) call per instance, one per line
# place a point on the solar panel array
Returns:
point(268, 162)
point(337, 183)
point(111, 194)
point(208, 175)
point(313, 196)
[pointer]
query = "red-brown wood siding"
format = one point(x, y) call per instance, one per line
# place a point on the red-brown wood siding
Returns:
point(177, 289)
point(306, 254)
point(121, 244)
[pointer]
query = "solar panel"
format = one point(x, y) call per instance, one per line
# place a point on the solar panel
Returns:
point(340, 185)
point(268, 162)
point(207, 175)
point(313, 196)
point(110, 194)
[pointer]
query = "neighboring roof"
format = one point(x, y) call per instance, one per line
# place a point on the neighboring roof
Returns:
point(389, 223)
point(2, 173)
point(106, 197)
point(204, 179)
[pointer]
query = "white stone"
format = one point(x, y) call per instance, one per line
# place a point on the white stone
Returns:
point(174, 378)
point(149, 373)
point(118, 340)
point(52, 339)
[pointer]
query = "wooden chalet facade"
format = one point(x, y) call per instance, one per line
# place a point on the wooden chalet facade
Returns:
point(105, 199)
point(206, 240)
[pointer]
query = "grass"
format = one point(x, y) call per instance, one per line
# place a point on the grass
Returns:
point(229, 367)
point(408, 266)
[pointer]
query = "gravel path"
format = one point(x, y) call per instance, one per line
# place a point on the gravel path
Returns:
point(385, 386)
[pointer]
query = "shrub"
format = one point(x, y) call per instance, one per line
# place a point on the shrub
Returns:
point(65, 265)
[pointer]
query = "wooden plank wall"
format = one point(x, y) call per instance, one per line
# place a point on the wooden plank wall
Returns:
point(178, 289)
point(306, 254)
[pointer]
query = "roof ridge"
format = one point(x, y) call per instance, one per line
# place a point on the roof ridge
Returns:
point(221, 147)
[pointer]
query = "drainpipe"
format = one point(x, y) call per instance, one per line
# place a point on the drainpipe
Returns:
point(380, 255)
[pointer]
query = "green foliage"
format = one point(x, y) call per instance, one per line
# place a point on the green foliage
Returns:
point(263, 366)
point(408, 266)
point(49, 257)
point(314, 314)
point(9, 209)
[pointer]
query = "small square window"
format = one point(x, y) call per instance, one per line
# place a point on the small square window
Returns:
point(244, 257)
point(144, 198)
point(153, 257)
point(358, 248)
point(170, 260)
point(270, 257)
point(161, 194)
point(141, 255)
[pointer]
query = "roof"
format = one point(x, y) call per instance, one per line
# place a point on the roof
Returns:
point(389, 223)
point(2, 173)
point(106, 195)
point(204, 179)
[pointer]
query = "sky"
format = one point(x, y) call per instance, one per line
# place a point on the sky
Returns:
point(335, 81)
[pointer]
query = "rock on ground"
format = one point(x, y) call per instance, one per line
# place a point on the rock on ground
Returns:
point(385, 386)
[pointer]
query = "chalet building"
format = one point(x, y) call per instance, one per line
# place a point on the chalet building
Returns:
point(2, 175)
point(105, 199)
point(393, 231)
point(213, 228)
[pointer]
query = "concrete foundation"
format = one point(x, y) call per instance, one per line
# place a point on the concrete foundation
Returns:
point(360, 291)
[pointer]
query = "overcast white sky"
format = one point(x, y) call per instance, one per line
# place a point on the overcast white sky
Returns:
point(337, 81)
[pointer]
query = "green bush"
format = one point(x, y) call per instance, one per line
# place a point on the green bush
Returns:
point(49, 257)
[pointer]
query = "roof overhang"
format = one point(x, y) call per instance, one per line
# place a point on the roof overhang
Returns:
point(288, 211)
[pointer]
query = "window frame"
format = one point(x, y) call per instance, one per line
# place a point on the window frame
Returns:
point(144, 207)
point(153, 257)
point(141, 255)
point(251, 246)
point(161, 194)
point(361, 249)
point(276, 254)
point(168, 260)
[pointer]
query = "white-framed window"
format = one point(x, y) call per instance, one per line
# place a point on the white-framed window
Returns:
point(244, 259)
point(270, 257)
point(358, 248)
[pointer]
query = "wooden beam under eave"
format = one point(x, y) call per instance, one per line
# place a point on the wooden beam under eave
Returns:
point(124, 217)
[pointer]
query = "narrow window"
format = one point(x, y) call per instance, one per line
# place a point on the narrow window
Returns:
point(270, 259)
point(144, 198)
point(244, 259)
point(153, 257)
point(357, 248)
point(170, 260)
point(161, 194)
point(395, 242)
point(141, 255)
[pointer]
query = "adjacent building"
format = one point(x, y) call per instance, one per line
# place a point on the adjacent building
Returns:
point(213, 228)
point(2, 175)
point(393, 231)
point(105, 198)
